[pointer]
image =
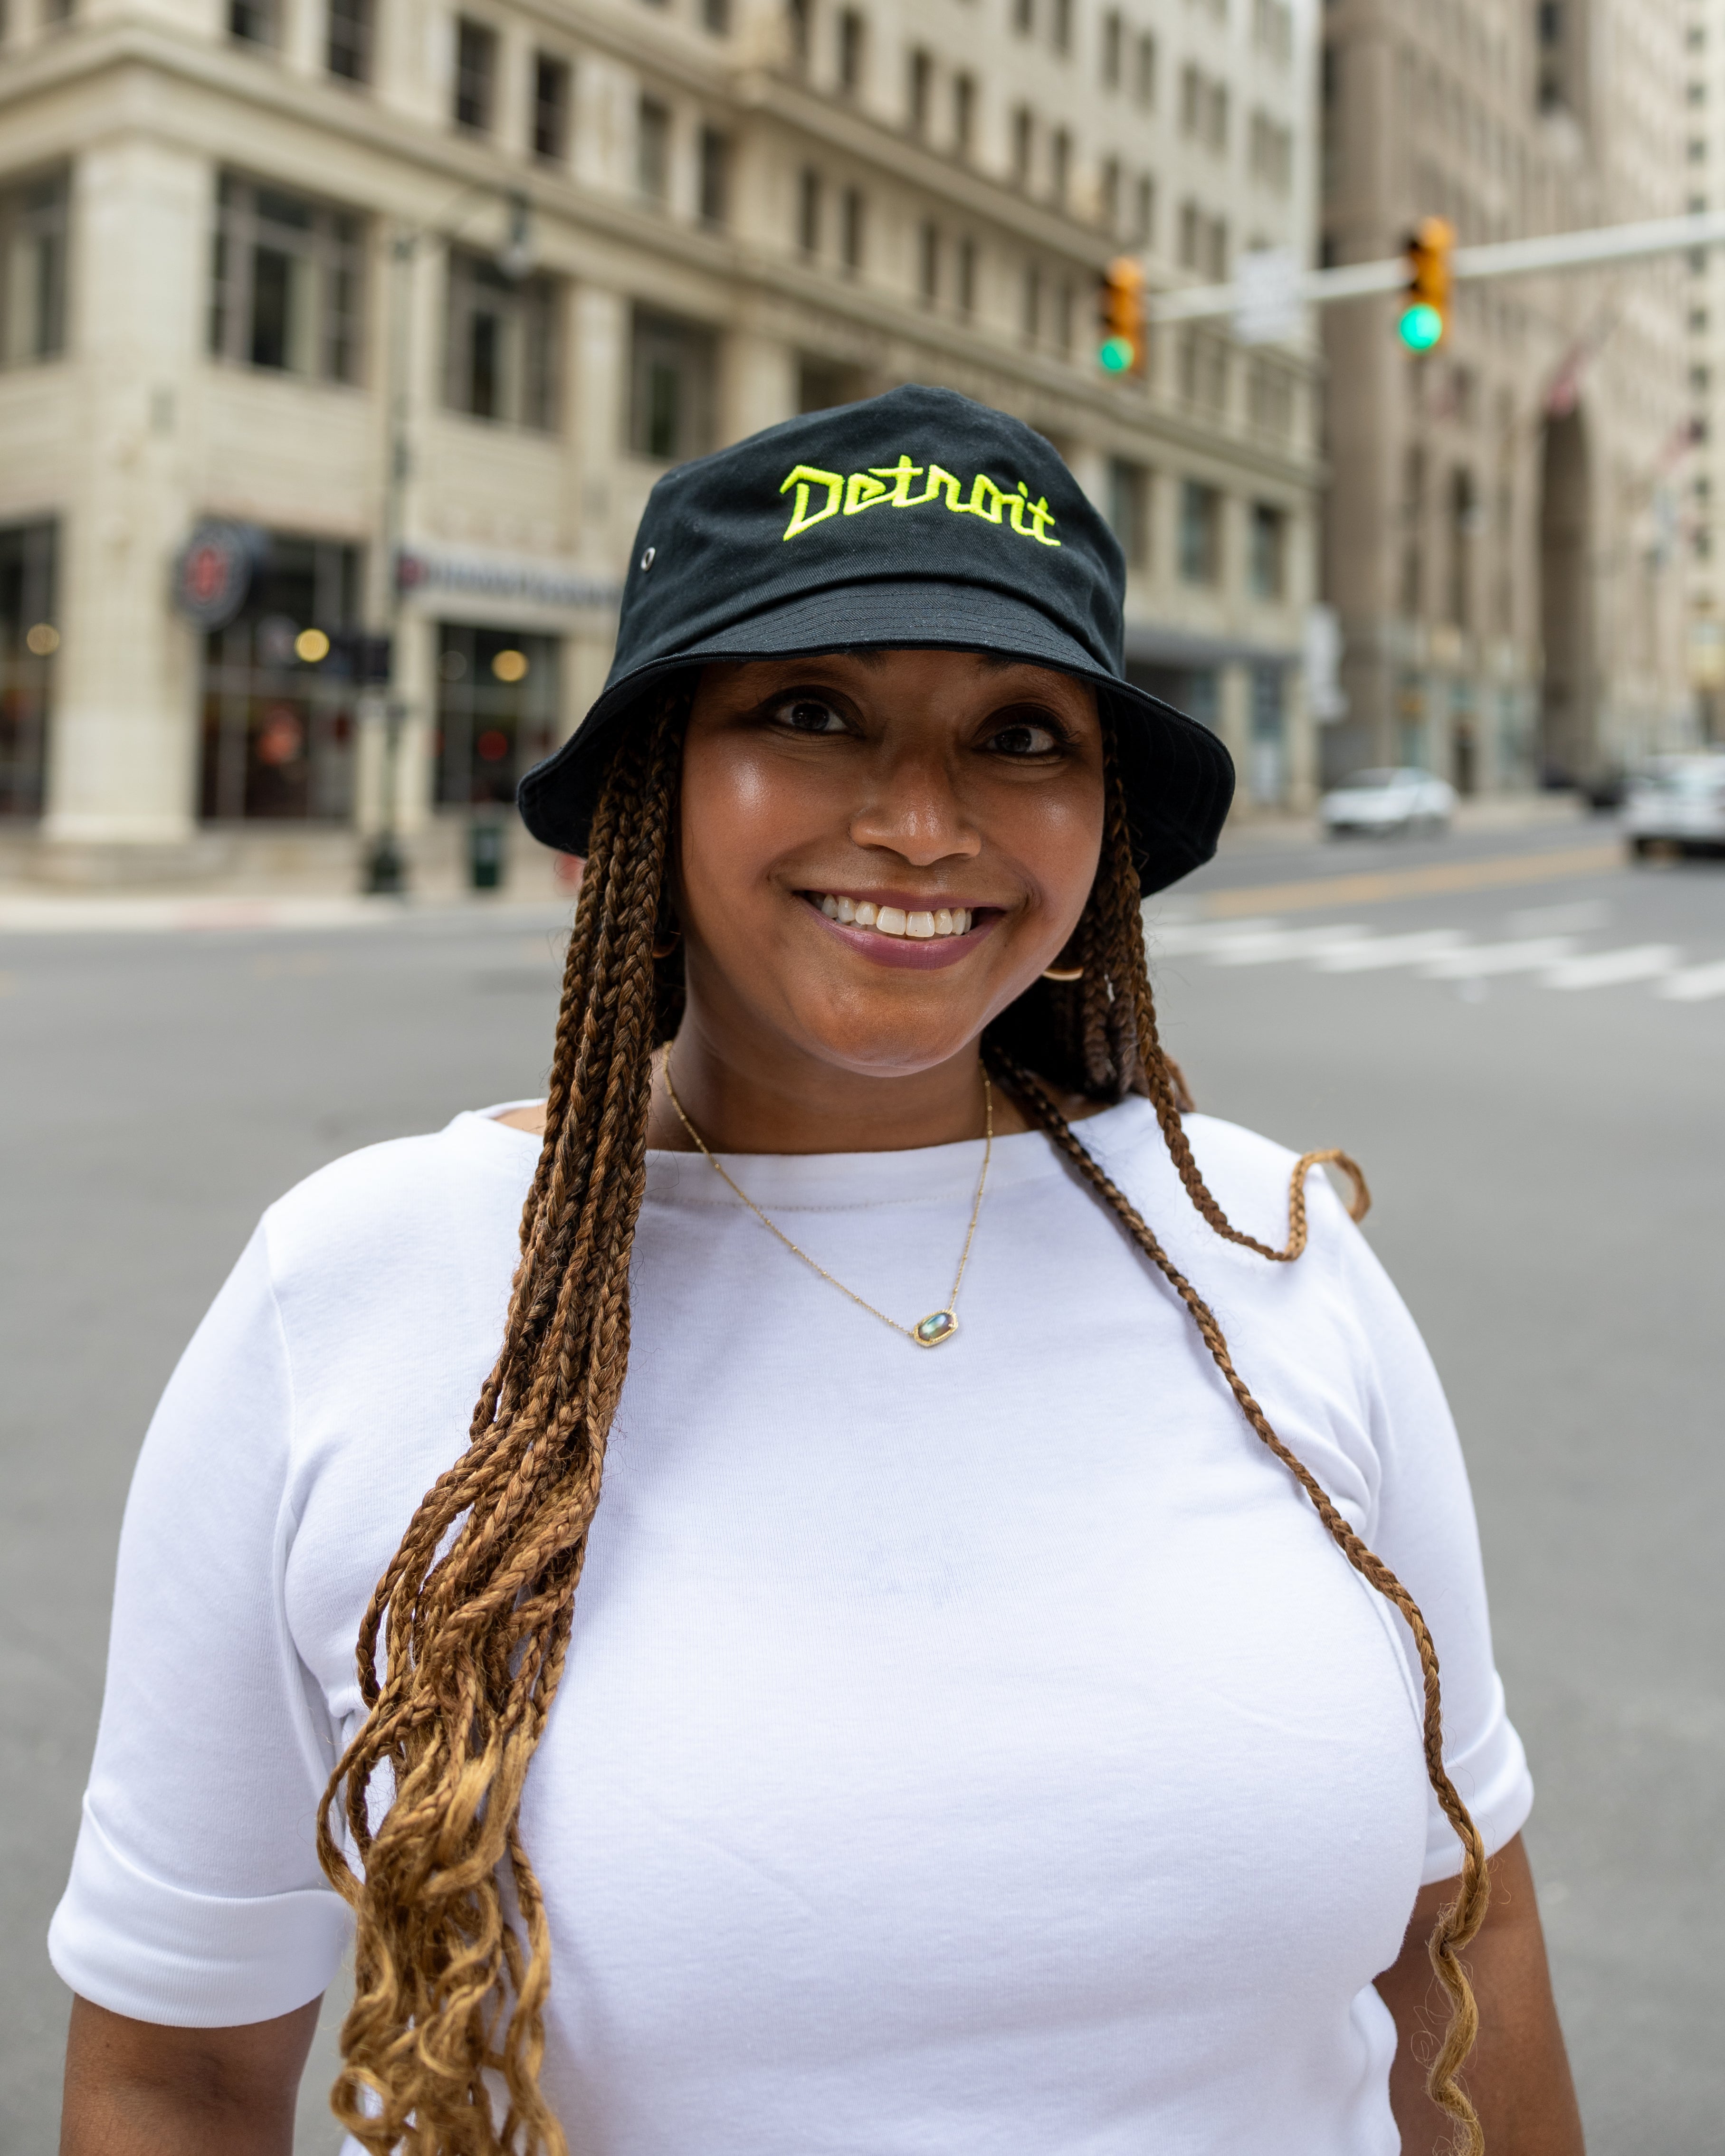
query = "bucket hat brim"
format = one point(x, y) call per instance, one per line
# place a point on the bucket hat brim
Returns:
point(1177, 774)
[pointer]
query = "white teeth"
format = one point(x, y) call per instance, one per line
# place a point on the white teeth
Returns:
point(892, 920)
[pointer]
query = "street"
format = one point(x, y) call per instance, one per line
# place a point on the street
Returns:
point(1520, 1039)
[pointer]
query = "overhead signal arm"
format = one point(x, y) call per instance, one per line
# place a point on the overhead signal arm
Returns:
point(1558, 251)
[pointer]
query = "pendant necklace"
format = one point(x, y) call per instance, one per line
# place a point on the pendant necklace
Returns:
point(939, 1325)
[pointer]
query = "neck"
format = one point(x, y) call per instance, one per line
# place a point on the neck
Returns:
point(743, 1102)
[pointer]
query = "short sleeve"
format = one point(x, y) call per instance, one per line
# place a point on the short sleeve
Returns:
point(196, 1898)
point(1426, 1532)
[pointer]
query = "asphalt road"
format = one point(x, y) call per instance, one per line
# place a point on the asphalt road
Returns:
point(1534, 1088)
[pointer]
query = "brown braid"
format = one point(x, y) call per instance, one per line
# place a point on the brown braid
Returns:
point(475, 1609)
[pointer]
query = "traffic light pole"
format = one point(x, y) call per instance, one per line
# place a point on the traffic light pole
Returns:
point(1509, 258)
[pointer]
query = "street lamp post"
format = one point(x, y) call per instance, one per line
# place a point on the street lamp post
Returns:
point(386, 867)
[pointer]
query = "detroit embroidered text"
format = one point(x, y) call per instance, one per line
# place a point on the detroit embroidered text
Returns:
point(888, 487)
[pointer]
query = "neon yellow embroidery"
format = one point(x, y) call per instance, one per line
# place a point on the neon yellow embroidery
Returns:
point(901, 473)
point(856, 491)
point(975, 505)
point(802, 478)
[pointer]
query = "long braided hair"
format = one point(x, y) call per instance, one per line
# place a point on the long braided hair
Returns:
point(443, 2045)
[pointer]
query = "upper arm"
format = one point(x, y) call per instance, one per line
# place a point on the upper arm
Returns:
point(196, 1897)
point(135, 2088)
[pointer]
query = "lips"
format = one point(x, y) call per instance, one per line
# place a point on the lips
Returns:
point(892, 929)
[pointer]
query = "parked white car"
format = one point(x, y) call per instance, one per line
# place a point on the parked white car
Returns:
point(1378, 801)
point(1676, 805)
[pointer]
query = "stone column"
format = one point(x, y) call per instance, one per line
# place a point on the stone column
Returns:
point(123, 754)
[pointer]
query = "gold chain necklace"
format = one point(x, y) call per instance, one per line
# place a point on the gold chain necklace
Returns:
point(939, 1325)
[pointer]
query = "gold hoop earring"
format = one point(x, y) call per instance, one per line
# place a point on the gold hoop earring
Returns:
point(662, 945)
point(1063, 973)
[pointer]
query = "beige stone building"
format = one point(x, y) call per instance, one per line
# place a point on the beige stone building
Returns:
point(420, 296)
point(1704, 521)
point(1505, 543)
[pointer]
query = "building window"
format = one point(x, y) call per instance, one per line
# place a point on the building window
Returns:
point(56, 13)
point(1060, 28)
point(347, 39)
point(1113, 36)
point(1023, 138)
point(1031, 316)
point(1144, 72)
point(797, 22)
point(286, 288)
point(278, 729)
point(716, 16)
point(853, 229)
point(919, 88)
point(502, 348)
point(497, 707)
point(475, 75)
point(1023, 16)
point(1060, 166)
point(853, 30)
point(28, 640)
point(1064, 312)
point(673, 369)
point(1144, 210)
point(551, 109)
point(1108, 194)
point(967, 276)
point(653, 127)
point(1268, 772)
point(32, 258)
point(715, 178)
point(1201, 533)
point(250, 21)
point(1129, 509)
point(1191, 235)
point(928, 263)
point(1267, 568)
point(963, 114)
point(809, 211)
point(823, 384)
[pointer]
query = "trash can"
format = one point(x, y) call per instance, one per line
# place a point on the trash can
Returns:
point(485, 851)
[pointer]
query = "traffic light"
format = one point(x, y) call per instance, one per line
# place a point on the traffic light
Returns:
point(1425, 311)
point(1122, 308)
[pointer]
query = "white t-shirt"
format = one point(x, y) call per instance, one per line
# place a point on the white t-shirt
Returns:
point(980, 1751)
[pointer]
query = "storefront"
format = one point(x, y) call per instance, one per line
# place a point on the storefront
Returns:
point(28, 640)
point(498, 700)
point(277, 694)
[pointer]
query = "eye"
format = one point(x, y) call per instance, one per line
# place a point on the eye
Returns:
point(806, 712)
point(1026, 733)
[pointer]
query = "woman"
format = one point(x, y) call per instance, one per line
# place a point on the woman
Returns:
point(982, 1716)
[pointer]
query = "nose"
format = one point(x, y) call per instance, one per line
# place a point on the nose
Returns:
point(913, 808)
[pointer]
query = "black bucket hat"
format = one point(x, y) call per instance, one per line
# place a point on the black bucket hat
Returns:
point(919, 519)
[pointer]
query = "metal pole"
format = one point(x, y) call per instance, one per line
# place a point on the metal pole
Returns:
point(1508, 258)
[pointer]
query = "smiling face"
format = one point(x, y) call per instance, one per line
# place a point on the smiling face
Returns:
point(879, 851)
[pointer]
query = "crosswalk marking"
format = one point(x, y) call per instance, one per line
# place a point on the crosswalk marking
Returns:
point(1604, 969)
point(1441, 954)
point(1474, 961)
point(1694, 985)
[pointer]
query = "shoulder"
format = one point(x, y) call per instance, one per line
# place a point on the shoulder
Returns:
point(401, 1202)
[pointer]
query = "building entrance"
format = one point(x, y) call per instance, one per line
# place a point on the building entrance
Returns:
point(497, 704)
point(278, 690)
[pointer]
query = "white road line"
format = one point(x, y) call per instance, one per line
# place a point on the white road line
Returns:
point(1373, 953)
point(1276, 945)
point(1474, 963)
point(1694, 985)
point(1605, 969)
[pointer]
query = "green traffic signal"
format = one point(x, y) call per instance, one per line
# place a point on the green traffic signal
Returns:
point(1420, 327)
point(1116, 354)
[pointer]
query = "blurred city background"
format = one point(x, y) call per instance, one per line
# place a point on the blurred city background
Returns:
point(341, 341)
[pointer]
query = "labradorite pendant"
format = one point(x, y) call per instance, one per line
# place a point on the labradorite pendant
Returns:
point(939, 1325)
